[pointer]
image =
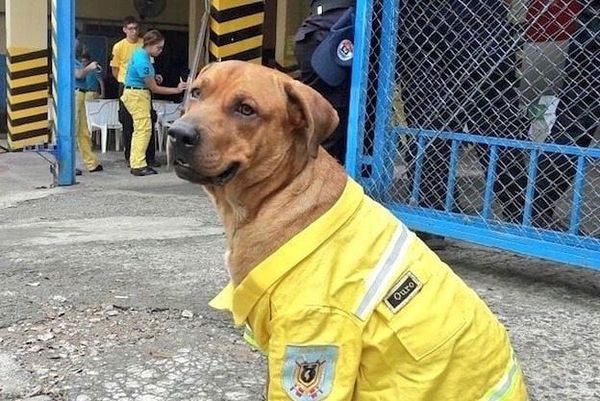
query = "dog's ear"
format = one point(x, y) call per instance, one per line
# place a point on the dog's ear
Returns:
point(310, 113)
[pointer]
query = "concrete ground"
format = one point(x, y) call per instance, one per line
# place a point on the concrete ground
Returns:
point(104, 289)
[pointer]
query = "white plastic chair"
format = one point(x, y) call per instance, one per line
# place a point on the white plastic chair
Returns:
point(166, 113)
point(103, 114)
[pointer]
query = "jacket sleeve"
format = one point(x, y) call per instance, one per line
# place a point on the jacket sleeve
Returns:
point(313, 354)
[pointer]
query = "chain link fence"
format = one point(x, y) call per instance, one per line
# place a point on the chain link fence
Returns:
point(480, 119)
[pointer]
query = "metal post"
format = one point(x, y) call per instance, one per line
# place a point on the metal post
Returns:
point(63, 84)
point(452, 175)
point(358, 89)
point(530, 191)
point(578, 189)
point(488, 196)
point(384, 144)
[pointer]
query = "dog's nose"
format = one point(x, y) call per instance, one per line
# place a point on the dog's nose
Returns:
point(184, 133)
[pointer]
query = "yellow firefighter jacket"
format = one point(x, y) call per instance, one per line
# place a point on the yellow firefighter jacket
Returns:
point(356, 307)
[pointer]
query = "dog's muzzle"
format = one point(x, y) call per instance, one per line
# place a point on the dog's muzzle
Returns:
point(186, 138)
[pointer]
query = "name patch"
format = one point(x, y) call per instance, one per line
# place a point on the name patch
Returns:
point(402, 292)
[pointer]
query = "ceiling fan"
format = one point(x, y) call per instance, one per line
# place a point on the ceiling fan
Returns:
point(149, 8)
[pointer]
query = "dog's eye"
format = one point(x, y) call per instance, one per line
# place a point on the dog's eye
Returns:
point(245, 109)
point(195, 93)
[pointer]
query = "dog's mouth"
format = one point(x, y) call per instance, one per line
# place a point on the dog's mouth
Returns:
point(226, 175)
point(185, 171)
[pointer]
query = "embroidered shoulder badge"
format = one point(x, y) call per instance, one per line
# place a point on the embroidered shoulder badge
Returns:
point(308, 371)
point(345, 50)
point(404, 290)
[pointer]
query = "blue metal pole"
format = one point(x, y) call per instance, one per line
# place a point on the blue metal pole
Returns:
point(530, 191)
point(416, 184)
point(358, 88)
point(63, 32)
point(452, 175)
point(384, 146)
point(577, 196)
point(488, 196)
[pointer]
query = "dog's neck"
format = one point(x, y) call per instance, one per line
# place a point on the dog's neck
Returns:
point(261, 219)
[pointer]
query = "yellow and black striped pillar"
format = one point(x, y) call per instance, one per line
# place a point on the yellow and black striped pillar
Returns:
point(27, 97)
point(27, 73)
point(236, 30)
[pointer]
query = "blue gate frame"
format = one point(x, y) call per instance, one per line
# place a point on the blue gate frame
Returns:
point(565, 247)
point(63, 85)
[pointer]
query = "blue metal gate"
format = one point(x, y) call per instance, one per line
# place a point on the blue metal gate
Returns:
point(475, 119)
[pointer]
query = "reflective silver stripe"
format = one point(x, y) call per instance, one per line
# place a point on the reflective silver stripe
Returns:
point(249, 338)
point(505, 386)
point(378, 283)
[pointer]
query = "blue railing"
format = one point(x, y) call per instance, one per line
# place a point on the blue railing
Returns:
point(375, 143)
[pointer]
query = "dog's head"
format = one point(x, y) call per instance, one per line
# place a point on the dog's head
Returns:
point(245, 122)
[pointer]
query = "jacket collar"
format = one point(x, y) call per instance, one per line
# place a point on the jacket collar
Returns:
point(241, 299)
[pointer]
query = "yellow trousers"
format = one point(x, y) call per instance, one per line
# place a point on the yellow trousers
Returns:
point(91, 95)
point(138, 104)
point(84, 140)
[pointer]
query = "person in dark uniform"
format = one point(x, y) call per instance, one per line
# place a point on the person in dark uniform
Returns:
point(578, 116)
point(324, 51)
point(458, 68)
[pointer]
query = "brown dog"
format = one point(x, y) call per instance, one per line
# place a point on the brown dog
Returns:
point(345, 300)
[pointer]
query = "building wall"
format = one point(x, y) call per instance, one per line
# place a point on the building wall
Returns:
point(111, 12)
point(2, 27)
point(2, 67)
point(107, 13)
point(27, 72)
point(2, 33)
point(22, 34)
point(176, 12)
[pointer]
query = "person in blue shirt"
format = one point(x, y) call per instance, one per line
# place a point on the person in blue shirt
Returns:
point(140, 80)
point(84, 142)
point(94, 82)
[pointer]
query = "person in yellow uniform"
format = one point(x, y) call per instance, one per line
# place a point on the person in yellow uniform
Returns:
point(84, 141)
point(385, 321)
point(139, 82)
point(121, 55)
point(123, 49)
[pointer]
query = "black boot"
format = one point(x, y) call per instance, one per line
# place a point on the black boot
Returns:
point(142, 172)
